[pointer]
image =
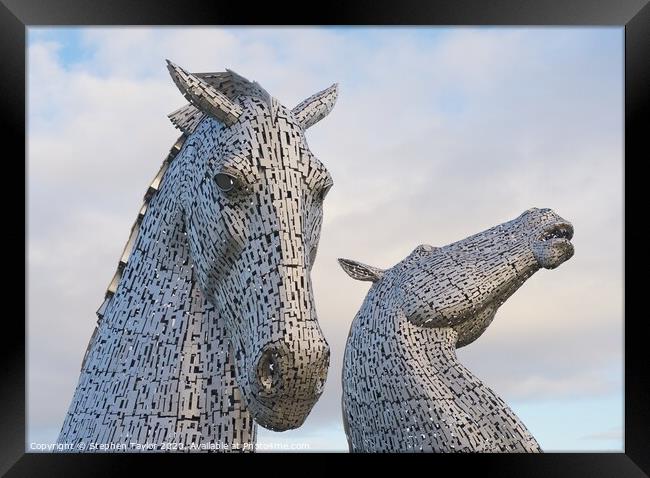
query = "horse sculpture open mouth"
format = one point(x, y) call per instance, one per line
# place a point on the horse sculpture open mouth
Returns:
point(553, 246)
point(560, 230)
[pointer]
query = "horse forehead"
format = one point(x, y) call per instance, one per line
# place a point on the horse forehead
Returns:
point(265, 127)
point(267, 114)
point(277, 142)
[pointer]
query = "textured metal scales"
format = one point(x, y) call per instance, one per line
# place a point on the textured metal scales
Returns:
point(403, 387)
point(209, 324)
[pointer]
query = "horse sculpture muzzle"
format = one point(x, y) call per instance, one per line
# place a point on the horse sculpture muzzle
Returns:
point(552, 246)
point(286, 379)
point(281, 354)
point(274, 373)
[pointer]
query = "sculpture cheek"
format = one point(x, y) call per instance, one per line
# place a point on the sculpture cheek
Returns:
point(414, 309)
point(429, 306)
point(421, 315)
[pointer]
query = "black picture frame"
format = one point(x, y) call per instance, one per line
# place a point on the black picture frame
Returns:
point(633, 15)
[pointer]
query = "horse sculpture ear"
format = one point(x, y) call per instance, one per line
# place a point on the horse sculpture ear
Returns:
point(316, 107)
point(360, 271)
point(203, 96)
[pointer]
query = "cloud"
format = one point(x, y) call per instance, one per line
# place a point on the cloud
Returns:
point(437, 134)
point(611, 434)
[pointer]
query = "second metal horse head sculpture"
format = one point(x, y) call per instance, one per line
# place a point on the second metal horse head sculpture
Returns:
point(403, 386)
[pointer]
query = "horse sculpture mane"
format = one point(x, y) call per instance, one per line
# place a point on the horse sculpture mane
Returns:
point(190, 351)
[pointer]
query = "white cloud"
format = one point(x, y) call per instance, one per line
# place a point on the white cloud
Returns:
point(611, 434)
point(430, 141)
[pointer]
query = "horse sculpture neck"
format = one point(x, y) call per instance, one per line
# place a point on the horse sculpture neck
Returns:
point(158, 371)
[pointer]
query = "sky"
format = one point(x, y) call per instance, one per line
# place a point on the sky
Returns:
point(438, 133)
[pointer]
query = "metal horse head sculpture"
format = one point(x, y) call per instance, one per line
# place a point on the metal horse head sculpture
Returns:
point(252, 196)
point(403, 387)
point(210, 322)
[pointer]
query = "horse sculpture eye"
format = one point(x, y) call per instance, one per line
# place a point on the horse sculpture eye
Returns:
point(225, 182)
